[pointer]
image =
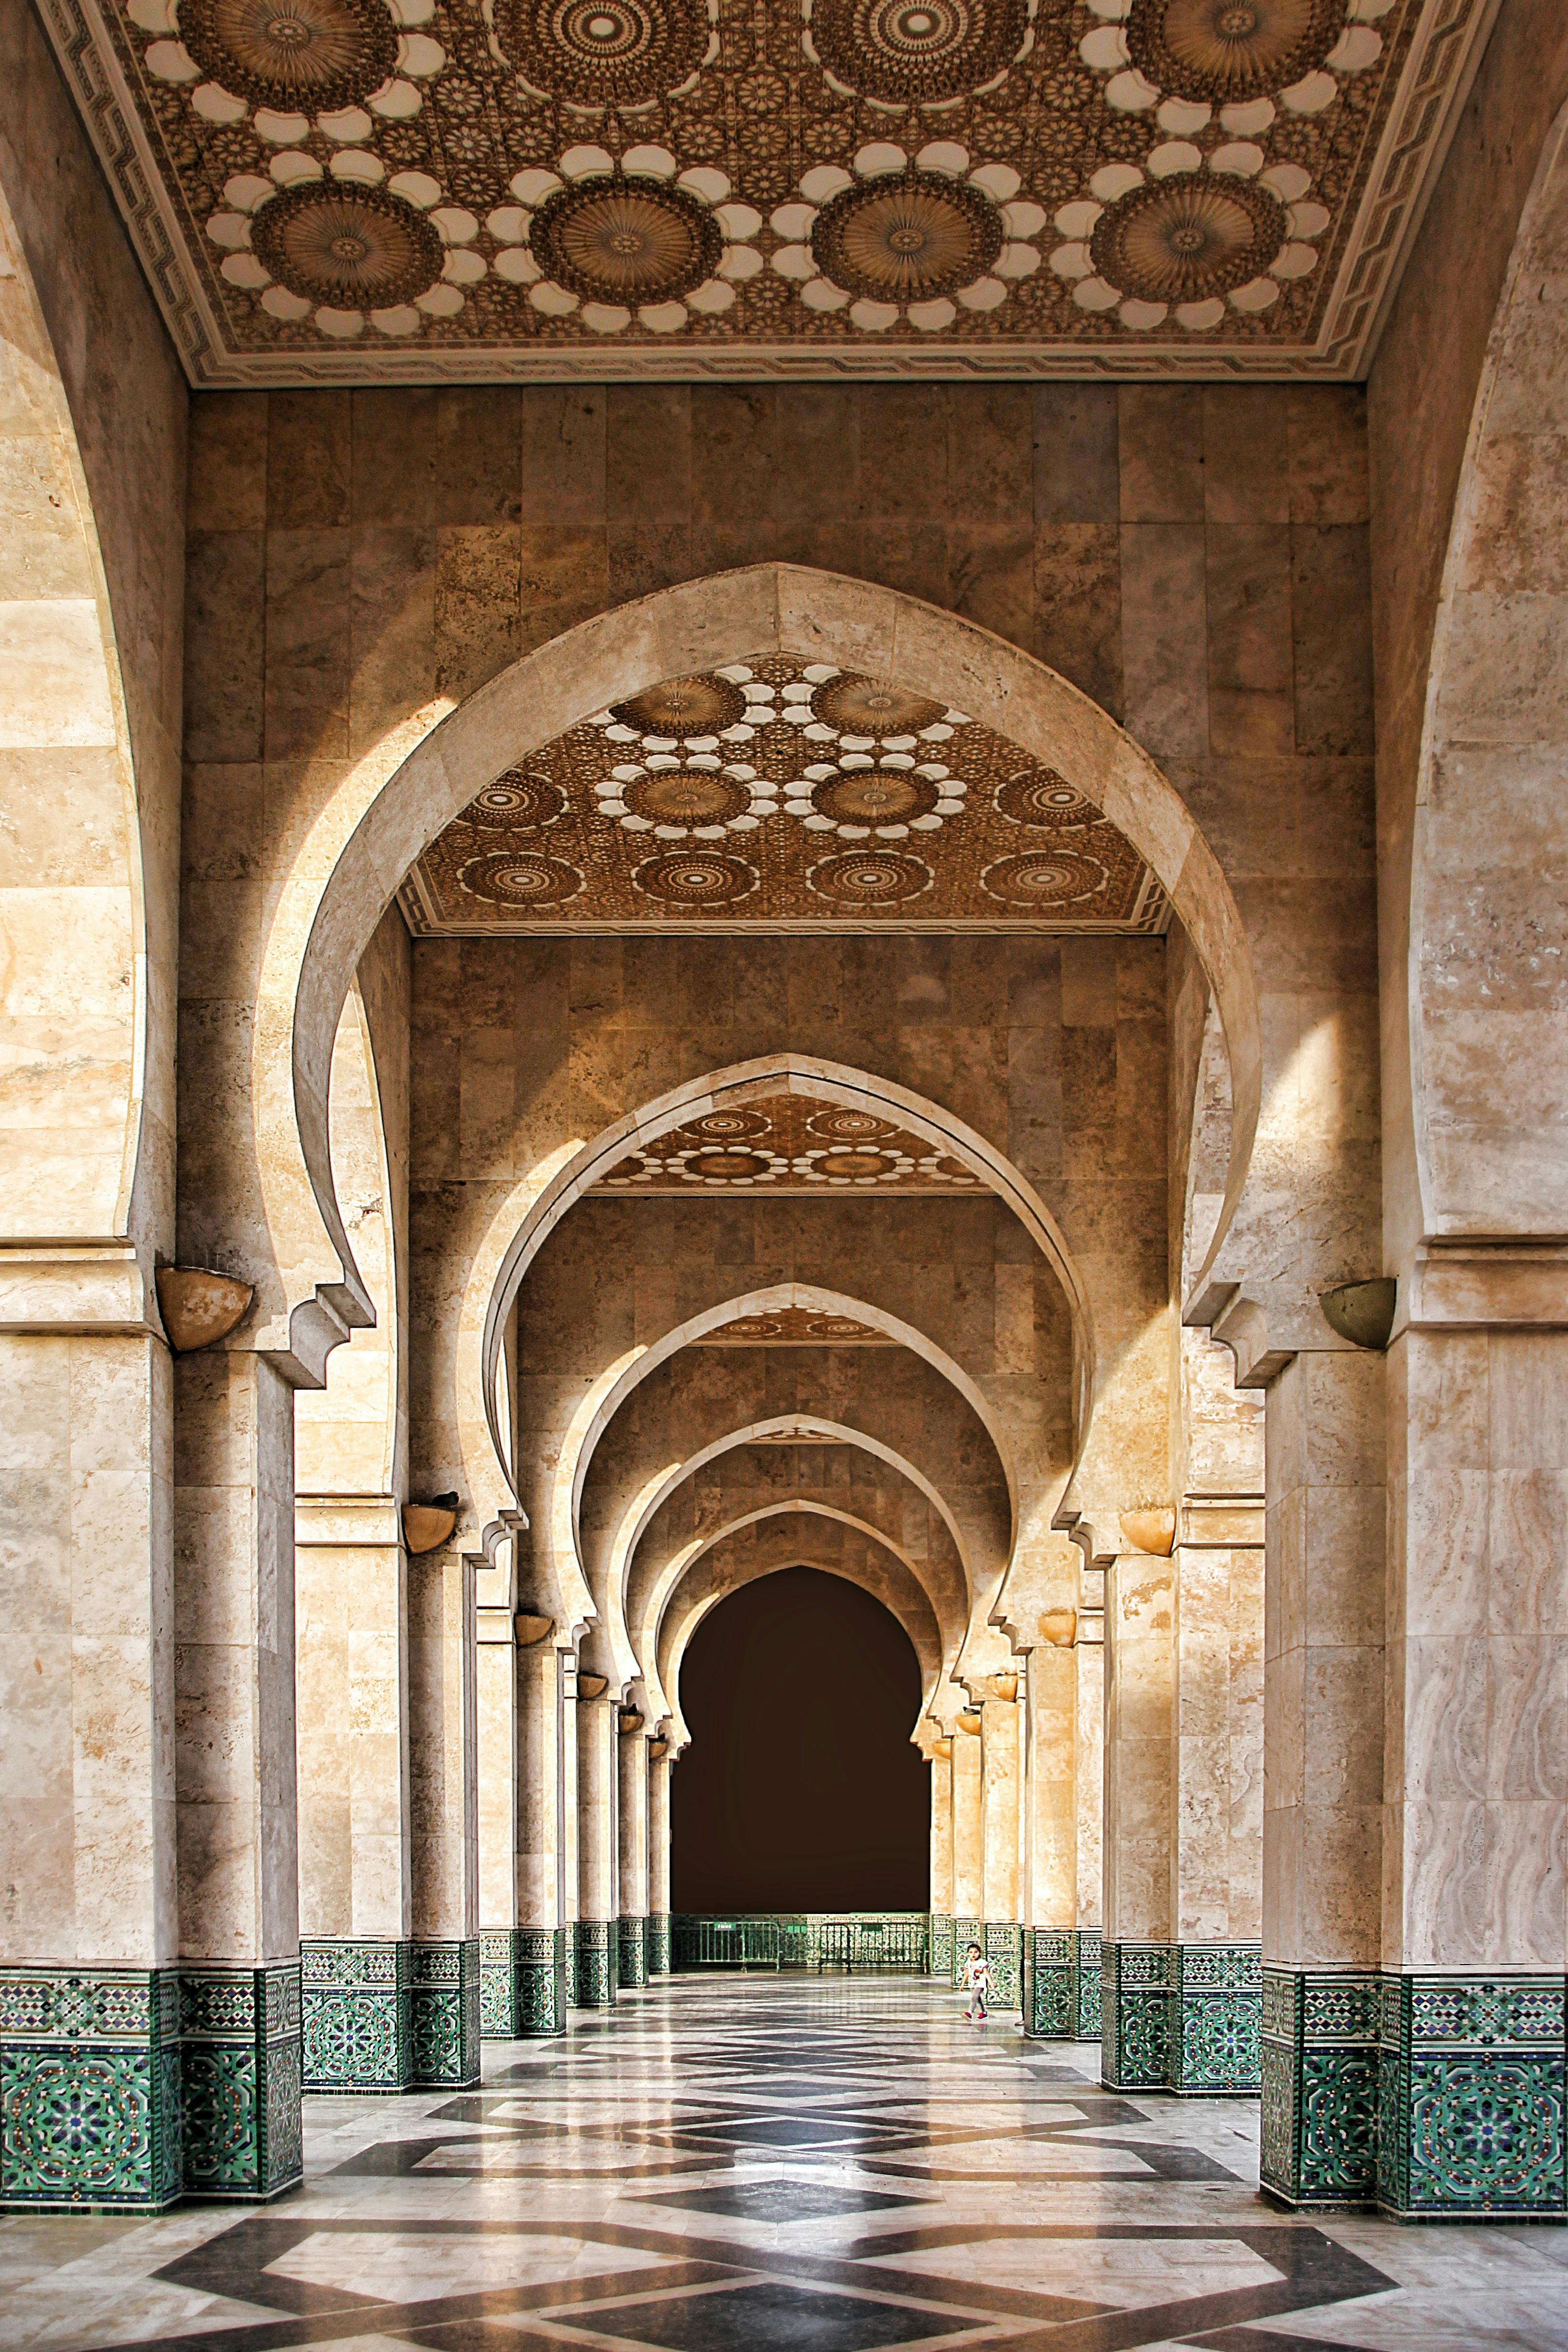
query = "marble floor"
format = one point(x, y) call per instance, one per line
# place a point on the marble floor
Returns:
point(772, 2165)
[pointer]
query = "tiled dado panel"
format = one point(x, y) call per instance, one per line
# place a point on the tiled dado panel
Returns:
point(939, 1959)
point(1181, 2017)
point(1001, 1940)
point(131, 2087)
point(524, 1981)
point(657, 1926)
point(1435, 2096)
point(444, 1986)
point(631, 1950)
point(90, 2100)
point(598, 1970)
point(240, 2072)
point(389, 2015)
point(1061, 1983)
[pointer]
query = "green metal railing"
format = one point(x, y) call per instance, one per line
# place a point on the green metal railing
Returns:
point(893, 1942)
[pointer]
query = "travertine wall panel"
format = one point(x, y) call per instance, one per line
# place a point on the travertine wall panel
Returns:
point(106, 834)
point(1420, 400)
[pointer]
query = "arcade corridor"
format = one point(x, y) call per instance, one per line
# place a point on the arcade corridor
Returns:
point(737, 2165)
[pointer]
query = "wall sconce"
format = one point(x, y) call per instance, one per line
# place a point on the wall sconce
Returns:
point(628, 1721)
point(1059, 1627)
point(593, 1685)
point(199, 1308)
point(1362, 1312)
point(425, 1526)
point(943, 1748)
point(1004, 1688)
point(1152, 1528)
point(531, 1631)
point(970, 1721)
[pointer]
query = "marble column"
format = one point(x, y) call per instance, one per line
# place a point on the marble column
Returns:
point(1470, 2024)
point(941, 1949)
point(236, 1774)
point(1326, 1458)
point(598, 1859)
point(1052, 1956)
point(1140, 1722)
point(89, 1996)
point(969, 1845)
point(444, 1816)
point(570, 1842)
point(523, 1940)
point(356, 1891)
point(1090, 1657)
point(631, 1853)
point(1002, 1778)
point(1184, 1806)
point(660, 1764)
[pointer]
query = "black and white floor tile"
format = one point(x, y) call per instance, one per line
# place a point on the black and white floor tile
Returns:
point(769, 2165)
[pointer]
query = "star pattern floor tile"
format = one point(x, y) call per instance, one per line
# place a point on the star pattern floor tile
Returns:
point(734, 2164)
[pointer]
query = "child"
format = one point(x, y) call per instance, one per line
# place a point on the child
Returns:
point(976, 1983)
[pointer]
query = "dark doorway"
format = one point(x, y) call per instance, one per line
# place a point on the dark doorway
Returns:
point(800, 1790)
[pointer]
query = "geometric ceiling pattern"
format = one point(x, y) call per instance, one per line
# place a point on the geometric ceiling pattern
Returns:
point(411, 190)
point(786, 795)
point(795, 1327)
point(789, 1143)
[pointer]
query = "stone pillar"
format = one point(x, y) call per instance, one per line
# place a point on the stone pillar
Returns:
point(1001, 1774)
point(1184, 1806)
point(1090, 1655)
point(969, 1845)
point(941, 1949)
point(1217, 1858)
point(89, 1995)
point(632, 1833)
point(1323, 1829)
point(443, 1747)
point(1140, 1721)
point(522, 1937)
point(597, 1854)
point(236, 1774)
point(660, 1764)
point(569, 1840)
point(355, 1864)
point(1470, 2117)
point(1051, 1833)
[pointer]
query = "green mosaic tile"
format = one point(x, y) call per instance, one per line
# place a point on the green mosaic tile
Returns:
point(90, 2106)
point(631, 1951)
point(1216, 2005)
point(444, 1987)
point(569, 1965)
point(1089, 2008)
point(1049, 1956)
point(241, 2031)
point(941, 1959)
point(1004, 1949)
point(1319, 2088)
point(1137, 1989)
point(498, 1985)
point(596, 1969)
point(541, 1980)
point(1471, 2097)
point(356, 2014)
point(658, 1943)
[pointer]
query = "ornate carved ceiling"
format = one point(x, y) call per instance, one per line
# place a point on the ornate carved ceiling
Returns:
point(795, 1327)
point(773, 794)
point(341, 191)
point(790, 1143)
